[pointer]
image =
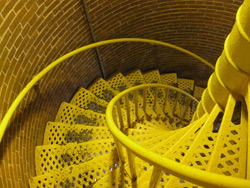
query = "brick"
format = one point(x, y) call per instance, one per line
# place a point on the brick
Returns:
point(53, 28)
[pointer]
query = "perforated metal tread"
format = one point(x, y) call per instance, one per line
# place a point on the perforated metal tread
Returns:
point(198, 92)
point(87, 100)
point(135, 77)
point(118, 177)
point(139, 136)
point(103, 90)
point(82, 175)
point(82, 133)
point(184, 102)
point(168, 146)
point(230, 151)
point(60, 133)
point(169, 79)
point(152, 76)
point(55, 157)
point(71, 114)
point(118, 82)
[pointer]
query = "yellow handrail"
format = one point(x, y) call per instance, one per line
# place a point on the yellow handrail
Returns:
point(203, 178)
point(37, 77)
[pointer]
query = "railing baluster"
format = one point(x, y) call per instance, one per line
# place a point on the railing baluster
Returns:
point(131, 160)
point(176, 104)
point(165, 105)
point(128, 111)
point(118, 106)
point(155, 98)
point(155, 177)
point(144, 99)
point(117, 143)
point(186, 109)
point(136, 104)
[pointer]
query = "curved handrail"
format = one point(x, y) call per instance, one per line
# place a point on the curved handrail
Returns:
point(37, 77)
point(203, 178)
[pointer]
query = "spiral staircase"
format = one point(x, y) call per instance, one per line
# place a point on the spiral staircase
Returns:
point(79, 150)
point(150, 129)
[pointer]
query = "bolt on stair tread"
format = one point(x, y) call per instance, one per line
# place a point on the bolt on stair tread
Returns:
point(55, 157)
point(83, 175)
point(60, 133)
point(71, 114)
point(118, 82)
point(88, 101)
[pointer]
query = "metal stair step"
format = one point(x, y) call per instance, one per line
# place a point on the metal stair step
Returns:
point(82, 175)
point(118, 82)
point(71, 114)
point(170, 146)
point(152, 76)
point(60, 133)
point(169, 79)
point(88, 101)
point(102, 89)
point(51, 158)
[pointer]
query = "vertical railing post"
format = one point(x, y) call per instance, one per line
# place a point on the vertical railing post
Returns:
point(128, 111)
point(165, 105)
point(117, 143)
point(145, 99)
point(118, 107)
point(155, 98)
point(136, 105)
point(155, 177)
point(131, 160)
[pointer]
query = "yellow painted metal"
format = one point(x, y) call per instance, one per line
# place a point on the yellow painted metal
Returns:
point(103, 90)
point(181, 145)
point(52, 158)
point(37, 77)
point(152, 76)
point(60, 133)
point(230, 151)
point(71, 114)
point(218, 93)
point(198, 92)
point(182, 171)
point(247, 99)
point(169, 79)
point(188, 86)
point(118, 82)
point(82, 175)
point(135, 77)
point(207, 103)
point(87, 100)
point(199, 152)
point(232, 68)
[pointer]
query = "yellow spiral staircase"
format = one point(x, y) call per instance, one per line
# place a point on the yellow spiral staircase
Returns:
point(149, 129)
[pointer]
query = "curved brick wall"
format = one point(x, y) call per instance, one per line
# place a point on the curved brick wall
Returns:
point(33, 33)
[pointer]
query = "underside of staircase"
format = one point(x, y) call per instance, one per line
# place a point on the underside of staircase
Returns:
point(79, 150)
